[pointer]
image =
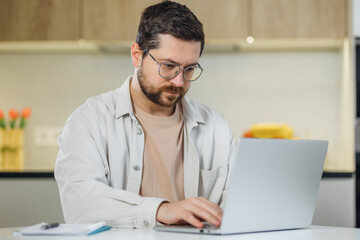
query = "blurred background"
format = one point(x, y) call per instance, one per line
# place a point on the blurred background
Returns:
point(287, 62)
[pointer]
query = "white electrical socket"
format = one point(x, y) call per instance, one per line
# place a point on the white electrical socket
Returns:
point(46, 135)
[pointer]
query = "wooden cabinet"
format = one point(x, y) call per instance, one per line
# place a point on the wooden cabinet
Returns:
point(298, 18)
point(115, 20)
point(223, 20)
point(119, 19)
point(39, 20)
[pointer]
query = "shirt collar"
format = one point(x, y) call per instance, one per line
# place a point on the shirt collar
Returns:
point(124, 104)
point(191, 111)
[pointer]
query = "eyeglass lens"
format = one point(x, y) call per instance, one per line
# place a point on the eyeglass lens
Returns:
point(170, 70)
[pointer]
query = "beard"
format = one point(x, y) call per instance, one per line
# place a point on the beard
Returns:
point(157, 94)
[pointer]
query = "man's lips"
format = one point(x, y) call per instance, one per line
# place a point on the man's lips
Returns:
point(172, 93)
point(173, 90)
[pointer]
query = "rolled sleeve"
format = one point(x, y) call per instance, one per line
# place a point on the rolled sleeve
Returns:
point(148, 211)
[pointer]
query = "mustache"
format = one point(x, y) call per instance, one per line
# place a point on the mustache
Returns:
point(173, 89)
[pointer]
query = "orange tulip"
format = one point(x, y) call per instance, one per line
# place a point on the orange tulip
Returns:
point(2, 122)
point(26, 112)
point(13, 114)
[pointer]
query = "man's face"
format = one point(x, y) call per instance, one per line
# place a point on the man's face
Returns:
point(161, 91)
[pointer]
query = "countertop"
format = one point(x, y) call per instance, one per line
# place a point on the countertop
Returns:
point(50, 174)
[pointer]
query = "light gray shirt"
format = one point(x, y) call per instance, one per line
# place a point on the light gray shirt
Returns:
point(99, 165)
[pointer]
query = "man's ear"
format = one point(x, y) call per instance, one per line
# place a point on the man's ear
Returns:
point(136, 55)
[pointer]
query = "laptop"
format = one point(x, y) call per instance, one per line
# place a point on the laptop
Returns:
point(273, 185)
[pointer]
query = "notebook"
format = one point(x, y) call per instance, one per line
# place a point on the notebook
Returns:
point(64, 229)
point(273, 185)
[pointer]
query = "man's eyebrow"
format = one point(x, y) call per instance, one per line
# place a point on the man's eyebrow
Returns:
point(170, 60)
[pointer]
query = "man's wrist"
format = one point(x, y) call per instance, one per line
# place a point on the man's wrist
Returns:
point(157, 212)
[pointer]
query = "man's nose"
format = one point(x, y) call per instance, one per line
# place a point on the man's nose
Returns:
point(178, 80)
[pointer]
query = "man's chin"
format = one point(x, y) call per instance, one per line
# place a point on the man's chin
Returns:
point(168, 104)
point(169, 101)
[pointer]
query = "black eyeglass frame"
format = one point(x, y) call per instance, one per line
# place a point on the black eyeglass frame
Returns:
point(180, 68)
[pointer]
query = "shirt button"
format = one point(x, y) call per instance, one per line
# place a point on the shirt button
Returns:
point(136, 167)
point(139, 131)
point(146, 223)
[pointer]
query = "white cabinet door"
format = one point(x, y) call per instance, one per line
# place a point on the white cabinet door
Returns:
point(336, 203)
point(27, 201)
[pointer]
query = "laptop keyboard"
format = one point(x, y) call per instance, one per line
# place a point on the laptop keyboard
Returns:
point(208, 225)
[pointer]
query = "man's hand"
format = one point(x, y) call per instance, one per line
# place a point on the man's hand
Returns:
point(192, 211)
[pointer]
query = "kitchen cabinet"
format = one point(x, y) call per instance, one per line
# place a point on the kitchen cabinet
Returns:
point(37, 195)
point(114, 20)
point(119, 19)
point(26, 201)
point(39, 20)
point(336, 202)
point(224, 21)
point(298, 18)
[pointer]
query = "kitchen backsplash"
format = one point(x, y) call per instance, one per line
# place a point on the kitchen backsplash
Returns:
point(299, 88)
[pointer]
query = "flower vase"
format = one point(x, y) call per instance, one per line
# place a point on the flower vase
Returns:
point(11, 150)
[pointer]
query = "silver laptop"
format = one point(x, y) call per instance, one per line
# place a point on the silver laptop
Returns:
point(273, 185)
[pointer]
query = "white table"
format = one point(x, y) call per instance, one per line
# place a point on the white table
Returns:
point(313, 233)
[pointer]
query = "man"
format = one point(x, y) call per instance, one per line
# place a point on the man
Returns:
point(144, 153)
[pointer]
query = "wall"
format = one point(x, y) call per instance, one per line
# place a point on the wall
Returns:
point(299, 88)
point(356, 17)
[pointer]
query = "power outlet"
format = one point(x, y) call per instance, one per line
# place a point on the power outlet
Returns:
point(47, 135)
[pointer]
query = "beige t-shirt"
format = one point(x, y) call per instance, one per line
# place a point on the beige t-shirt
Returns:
point(163, 169)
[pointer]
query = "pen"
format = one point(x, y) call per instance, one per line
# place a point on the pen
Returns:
point(48, 226)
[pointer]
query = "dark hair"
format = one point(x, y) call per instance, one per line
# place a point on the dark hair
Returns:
point(168, 18)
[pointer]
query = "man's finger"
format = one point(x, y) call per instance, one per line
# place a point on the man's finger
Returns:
point(210, 203)
point(191, 219)
point(203, 213)
point(210, 207)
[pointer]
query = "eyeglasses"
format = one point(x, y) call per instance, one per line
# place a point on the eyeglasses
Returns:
point(169, 70)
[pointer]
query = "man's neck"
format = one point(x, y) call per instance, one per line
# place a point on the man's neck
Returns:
point(141, 101)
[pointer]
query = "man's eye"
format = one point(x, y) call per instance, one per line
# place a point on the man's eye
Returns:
point(169, 65)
